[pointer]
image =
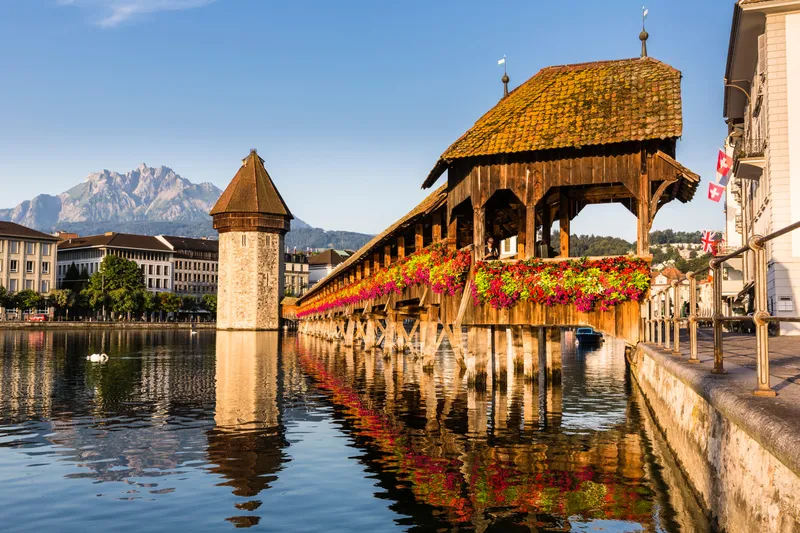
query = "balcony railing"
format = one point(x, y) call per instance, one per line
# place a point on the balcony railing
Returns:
point(660, 321)
point(751, 146)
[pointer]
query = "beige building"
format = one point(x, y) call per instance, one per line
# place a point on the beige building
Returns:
point(27, 259)
point(252, 220)
point(762, 107)
point(195, 265)
point(86, 253)
point(295, 274)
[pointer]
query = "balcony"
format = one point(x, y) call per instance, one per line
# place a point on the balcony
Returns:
point(749, 157)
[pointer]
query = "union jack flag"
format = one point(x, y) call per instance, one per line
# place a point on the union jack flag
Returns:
point(709, 244)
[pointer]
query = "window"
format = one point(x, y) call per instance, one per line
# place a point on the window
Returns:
point(166, 271)
point(45, 249)
point(158, 283)
point(29, 284)
point(45, 267)
point(12, 265)
point(158, 270)
point(149, 283)
point(30, 248)
point(12, 285)
point(1, 245)
point(1, 263)
point(150, 269)
point(244, 240)
point(45, 286)
point(13, 247)
point(29, 267)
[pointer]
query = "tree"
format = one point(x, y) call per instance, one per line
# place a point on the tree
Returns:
point(29, 299)
point(188, 303)
point(62, 299)
point(210, 303)
point(74, 280)
point(170, 302)
point(118, 283)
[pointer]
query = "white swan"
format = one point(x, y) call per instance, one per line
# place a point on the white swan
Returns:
point(97, 358)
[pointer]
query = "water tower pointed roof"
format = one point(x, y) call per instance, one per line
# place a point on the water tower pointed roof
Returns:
point(252, 191)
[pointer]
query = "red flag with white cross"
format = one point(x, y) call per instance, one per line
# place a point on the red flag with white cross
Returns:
point(715, 192)
point(724, 163)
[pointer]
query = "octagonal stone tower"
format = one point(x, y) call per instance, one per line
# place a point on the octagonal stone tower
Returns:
point(252, 220)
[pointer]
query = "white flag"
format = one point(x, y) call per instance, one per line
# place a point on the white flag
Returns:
point(645, 12)
point(502, 61)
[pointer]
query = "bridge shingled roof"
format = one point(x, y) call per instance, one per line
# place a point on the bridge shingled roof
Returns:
point(572, 106)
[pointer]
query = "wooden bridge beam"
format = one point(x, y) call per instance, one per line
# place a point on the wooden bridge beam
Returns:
point(479, 231)
point(500, 373)
point(477, 356)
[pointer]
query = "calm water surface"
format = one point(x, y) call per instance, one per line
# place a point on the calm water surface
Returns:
point(213, 431)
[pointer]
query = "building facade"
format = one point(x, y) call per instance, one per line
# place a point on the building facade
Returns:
point(323, 263)
point(762, 108)
point(252, 220)
point(27, 259)
point(296, 274)
point(152, 255)
point(195, 265)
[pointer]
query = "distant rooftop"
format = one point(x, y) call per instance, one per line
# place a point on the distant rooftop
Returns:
point(116, 240)
point(11, 229)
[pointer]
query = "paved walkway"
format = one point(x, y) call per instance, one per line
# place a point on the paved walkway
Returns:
point(739, 353)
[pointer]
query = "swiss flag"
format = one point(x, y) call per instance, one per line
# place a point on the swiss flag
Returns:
point(715, 192)
point(724, 163)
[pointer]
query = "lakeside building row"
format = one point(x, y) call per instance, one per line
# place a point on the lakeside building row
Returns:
point(762, 110)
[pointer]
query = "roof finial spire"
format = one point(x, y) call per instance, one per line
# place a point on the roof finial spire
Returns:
point(505, 79)
point(644, 35)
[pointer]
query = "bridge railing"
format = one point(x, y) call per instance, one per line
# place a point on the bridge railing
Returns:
point(662, 310)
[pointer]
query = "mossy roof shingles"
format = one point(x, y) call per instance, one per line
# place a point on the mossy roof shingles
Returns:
point(573, 106)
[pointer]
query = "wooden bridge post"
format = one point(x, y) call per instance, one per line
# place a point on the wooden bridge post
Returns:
point(477, 337)
point(500, 370)
point(667, 321)
point(479, 231)
point(390, 334)
point(563, 222)
point(553, 347)
point(349, 331)
point(517, 349)
point(400, 334)
point(369, 334)
point(530, 357)
point(430, 325)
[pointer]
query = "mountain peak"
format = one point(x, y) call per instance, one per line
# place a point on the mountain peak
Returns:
point(142, 194)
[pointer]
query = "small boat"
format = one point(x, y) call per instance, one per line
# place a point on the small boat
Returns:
point(588, 337)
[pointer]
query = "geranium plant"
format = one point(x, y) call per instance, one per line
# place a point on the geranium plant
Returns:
point(444, 271)
point(588, 283)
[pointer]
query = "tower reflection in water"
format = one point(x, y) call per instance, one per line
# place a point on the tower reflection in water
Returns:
point(248, 440)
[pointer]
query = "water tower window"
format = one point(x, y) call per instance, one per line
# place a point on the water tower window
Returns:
point(244, 240)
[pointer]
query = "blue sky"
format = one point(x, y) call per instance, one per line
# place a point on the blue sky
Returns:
point(350, 103)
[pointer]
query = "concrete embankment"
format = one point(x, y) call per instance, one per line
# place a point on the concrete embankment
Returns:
point(106, 325)
point(740, 453)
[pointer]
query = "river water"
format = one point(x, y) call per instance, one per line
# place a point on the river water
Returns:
point(214, 431)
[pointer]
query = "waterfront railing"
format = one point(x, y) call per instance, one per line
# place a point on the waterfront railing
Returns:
point(661, 314)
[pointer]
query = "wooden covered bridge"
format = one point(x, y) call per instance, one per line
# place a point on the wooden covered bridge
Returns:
point(568, 137)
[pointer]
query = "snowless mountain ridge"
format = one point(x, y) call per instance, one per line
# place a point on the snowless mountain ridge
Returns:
point(145, 193)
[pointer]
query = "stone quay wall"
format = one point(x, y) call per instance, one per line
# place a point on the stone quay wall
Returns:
point(740, 453)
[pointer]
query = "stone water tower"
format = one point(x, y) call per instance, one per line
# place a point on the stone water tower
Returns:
point(252, 220)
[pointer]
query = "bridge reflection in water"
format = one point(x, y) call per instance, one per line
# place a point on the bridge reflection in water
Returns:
point(299, 433)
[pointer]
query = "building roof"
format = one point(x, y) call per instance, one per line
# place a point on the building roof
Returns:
point(11, 229)
point(328, 257)
point(573, 106)
point(251, 191)
point(671, 273)
point(195, 245)
point(116, 240)
point(433, 201)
